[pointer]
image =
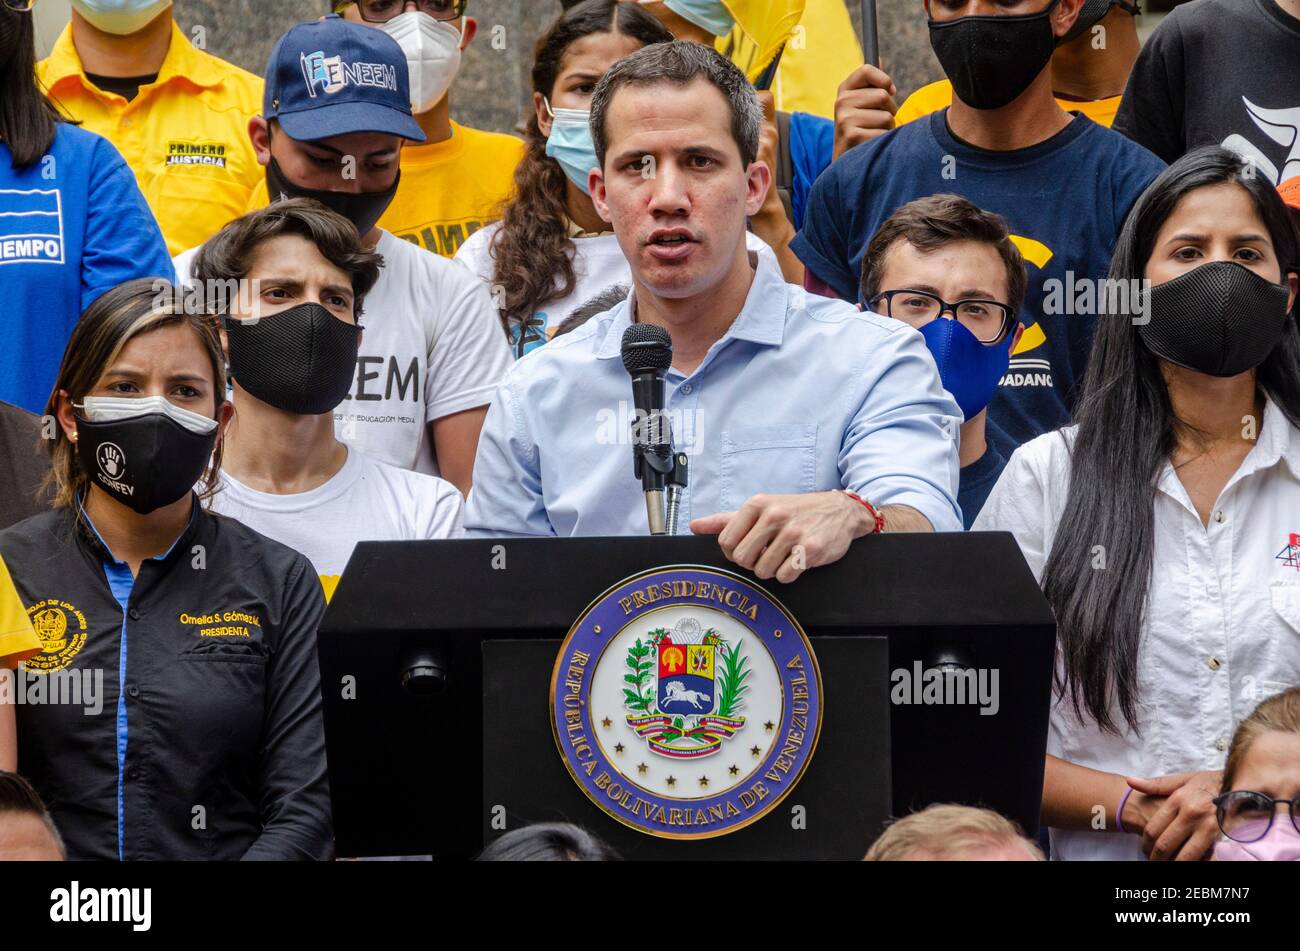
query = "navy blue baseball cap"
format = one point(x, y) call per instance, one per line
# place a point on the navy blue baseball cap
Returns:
point(331, 77)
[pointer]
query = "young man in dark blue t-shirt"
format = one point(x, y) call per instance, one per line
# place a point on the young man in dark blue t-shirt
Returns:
point(952, 271)
point(1063, 183)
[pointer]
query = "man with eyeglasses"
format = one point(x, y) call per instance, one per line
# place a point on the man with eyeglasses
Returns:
point(124, 69)
point(951, 271)
point(454, 183)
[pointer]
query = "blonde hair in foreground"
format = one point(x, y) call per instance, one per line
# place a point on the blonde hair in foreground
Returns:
point(946, 833)
point(1280, 713)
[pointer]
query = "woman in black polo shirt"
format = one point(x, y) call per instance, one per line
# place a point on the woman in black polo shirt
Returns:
point(186, 640)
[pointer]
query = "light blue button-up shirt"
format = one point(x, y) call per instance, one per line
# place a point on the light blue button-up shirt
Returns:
point(802, 394)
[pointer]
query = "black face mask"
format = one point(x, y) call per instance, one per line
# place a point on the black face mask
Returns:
point(991, 60)
point(145, 462)
point(363, 209)
point(300, 360)
point(1220, 318)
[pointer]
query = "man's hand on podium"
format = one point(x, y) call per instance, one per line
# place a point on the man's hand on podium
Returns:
point(781, 536)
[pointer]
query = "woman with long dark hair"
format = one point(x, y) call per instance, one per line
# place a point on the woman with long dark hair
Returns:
point(199, 633)
point(1163, 526)
point(76, 223)
point(551, 252)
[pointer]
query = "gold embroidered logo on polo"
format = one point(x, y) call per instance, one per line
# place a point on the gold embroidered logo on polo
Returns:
point(61, 629)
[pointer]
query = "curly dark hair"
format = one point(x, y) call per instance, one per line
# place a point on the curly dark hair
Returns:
point(532, 250)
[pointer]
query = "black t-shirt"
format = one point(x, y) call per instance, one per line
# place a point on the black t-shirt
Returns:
point(23, 465)
point(128, 87)
point(1220, 72)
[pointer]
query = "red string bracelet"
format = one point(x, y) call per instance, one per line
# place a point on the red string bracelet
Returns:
point(875, 513)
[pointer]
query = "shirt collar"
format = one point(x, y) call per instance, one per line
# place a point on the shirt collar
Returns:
point(1276, 443)
point(760, 321)
point(182, 61)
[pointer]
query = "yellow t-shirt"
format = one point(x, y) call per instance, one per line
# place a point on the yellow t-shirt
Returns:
point(938, 96)
point(185, 135)
point(18, 640)
point(449, 189)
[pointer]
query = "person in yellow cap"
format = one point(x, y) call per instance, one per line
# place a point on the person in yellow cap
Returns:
point(18, 642)
point(178, 115)
point(459, 179)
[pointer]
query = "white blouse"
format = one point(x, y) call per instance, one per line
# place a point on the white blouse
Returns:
point(1222, 620)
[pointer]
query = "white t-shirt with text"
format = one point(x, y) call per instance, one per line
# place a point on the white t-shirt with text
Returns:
point(433, 346)
point(366, 500)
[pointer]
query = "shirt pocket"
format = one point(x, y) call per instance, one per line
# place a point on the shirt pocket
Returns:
point(1284, 669)
point(778, 460)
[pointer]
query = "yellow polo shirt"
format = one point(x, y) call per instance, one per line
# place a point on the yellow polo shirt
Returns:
point(938, 96)
point(18, 641)
point(185, 135)
point(449, 189)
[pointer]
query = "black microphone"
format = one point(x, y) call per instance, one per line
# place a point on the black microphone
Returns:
point(647, 354)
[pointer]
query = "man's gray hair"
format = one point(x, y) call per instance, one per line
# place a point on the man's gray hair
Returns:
point(681, 63)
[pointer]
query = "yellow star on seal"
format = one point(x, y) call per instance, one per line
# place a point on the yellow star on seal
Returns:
point(618, 748)
point(704, 781)
point(607, 722)
point(641, 768)
point(734, 770)
point(754, 750)
point(672, 780)
point(766, 726)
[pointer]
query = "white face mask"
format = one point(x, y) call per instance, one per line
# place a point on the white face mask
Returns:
point(432, 49)
point(111, 409)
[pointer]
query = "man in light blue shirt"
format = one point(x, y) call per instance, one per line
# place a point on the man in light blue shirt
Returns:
point(782, 399)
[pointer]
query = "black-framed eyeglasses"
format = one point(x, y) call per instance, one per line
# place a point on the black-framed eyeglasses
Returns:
point(1246, 816)
point(19, 6)
point(988, 320)
point(381, 11)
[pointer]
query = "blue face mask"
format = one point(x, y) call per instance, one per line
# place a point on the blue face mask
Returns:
point(968, 369)
point(570, 144)
point(708, 15)
point(120, 17)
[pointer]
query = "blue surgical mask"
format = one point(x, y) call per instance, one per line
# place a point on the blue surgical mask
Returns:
point(570, 144)
point(711, 15)
point(968, 369)
point(120, 17)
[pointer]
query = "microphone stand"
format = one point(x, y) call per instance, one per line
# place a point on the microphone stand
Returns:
point(653, 464)
point(677, 480)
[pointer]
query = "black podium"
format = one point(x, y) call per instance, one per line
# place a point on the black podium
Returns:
point(440, 773)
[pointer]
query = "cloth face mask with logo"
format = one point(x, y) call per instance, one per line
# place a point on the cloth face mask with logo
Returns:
point(119, 17)
point(432, 49)
point(570, 143)
point(145, 452)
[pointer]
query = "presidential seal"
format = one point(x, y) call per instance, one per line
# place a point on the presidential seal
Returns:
point(686, 702)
